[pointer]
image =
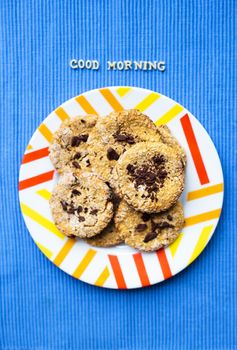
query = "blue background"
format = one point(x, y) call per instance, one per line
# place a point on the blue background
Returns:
point(43, 308)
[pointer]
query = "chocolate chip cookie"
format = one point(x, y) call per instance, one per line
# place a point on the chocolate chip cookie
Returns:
point(68, 149)
point(81, 204)
point(116, 133)
point(149, 232)
point(150, 176)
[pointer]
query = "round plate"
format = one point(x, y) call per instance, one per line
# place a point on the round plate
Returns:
point(122, 267)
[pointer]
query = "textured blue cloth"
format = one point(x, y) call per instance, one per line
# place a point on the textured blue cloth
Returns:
point(42, 307)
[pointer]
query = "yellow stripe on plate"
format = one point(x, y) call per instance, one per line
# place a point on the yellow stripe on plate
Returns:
point(29, 147)
point(203, 192)
point(168, 116)
point(84, 263)
point(45, 250)
point(41, 220)
point(201, 243)
point(102, 277)
point(44, 130)
point(196, 219)
point(175, 245)
point(64, 251)
point(122, 91)
point(61, 113)
point(44, 194)
point(148, 101)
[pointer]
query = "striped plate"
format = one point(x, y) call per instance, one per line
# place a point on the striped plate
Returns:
point(122, 267)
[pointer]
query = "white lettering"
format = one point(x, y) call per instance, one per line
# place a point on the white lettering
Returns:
point(137, 65)
point(73, 64)
point(111, 65)
point(161, 66)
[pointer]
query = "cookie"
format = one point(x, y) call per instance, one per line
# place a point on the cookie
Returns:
point(150, 176)
point(81, 204)
point(107, 238)
point(68, 149)
point(116, 133)
point(149, 232)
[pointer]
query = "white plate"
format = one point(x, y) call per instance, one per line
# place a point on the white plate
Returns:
point(121, 266)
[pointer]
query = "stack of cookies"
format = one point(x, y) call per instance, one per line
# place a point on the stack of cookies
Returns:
point(120, 180)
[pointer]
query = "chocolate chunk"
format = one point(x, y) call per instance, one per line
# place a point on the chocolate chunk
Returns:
point(130, 168)
point(88, 162)
point(94, 211)
point(83, 137)
point(141, 227)
point(124, 138)
point(85, 210)
point(79, 209)
point(159, 159)
point(64, 205)
point(81, 218)
point(112, 154)
point(77, 155)
point(150, 236)
point(169, 217)
point(83, 121)
point(146, 217)
point(163, 224)
point(76, 192)
point(151, 177)
point(71, 210)
point(76, 164)
point(75, 141)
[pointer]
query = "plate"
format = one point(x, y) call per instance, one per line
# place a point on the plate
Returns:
point(122, 267)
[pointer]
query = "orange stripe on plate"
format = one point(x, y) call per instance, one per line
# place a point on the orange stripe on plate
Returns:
point(141, 269)
point(84, 263)
point(64, 251)
point(32, 181)
point(118, 274)
point(203, 192)
point(209, 215)
point(194, 149)
point(164, 263)
point(40, 153)
point(44, 130)
point(114, 103)
point(85, 105)
point(61, 113)
point(102, 277)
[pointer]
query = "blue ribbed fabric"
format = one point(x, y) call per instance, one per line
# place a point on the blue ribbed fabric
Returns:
point(43, 308)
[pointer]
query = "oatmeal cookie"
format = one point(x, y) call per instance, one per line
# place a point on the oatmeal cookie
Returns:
point(81, 204)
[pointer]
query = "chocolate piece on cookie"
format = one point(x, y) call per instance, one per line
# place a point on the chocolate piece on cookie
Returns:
point(81, 204)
